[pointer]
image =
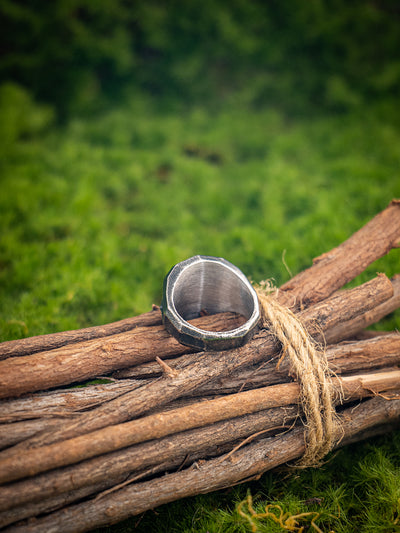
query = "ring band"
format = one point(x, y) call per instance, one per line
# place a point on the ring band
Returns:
point(214, 285)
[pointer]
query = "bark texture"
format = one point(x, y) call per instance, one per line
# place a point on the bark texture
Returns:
point(85, 360)
point(333, 269)
point(41, 343)
point(382, 351)
point(20, 464)
point(211, 475)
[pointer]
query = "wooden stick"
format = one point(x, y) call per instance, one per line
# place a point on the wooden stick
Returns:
point(57, 502)
point(366, 334)
point(52, 504)
point(139, 457)
point(41, 343)
point(358, 356)
point(348, 329)
point(12, 433)
point(17, 464)
point(373, 353)
point(249, 461)
point(203, 367)
point(108, 484)
point(97, 357)
point(16, 432)
point(361, 356)
point(43, 493)
point(63, 402)
point(337, 267)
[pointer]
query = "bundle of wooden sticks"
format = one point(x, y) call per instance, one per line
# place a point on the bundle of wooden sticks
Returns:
point(171, 422)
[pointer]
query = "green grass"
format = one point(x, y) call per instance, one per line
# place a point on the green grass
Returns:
point(93, 214)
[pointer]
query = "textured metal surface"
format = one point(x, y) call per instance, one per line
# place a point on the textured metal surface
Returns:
point(213, 285)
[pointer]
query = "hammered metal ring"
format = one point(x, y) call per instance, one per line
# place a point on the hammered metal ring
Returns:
point(212, 285)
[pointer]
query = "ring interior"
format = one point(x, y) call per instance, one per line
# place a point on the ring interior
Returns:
point(211, 287)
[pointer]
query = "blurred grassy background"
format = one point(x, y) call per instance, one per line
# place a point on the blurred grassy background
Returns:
point(136, 134)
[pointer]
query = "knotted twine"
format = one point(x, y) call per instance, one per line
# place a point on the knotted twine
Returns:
point(311, 370)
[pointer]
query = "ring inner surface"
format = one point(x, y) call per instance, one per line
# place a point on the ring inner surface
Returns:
point(212, 288)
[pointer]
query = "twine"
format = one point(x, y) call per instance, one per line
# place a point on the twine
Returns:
point(311, 369)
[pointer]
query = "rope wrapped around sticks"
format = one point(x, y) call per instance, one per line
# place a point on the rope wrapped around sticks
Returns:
point(311, 369)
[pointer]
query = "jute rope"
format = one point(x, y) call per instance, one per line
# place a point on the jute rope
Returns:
point(311, 369)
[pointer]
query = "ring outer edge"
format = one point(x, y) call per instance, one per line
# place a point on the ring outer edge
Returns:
point(189, 335)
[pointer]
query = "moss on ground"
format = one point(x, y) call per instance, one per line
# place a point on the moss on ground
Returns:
point(94, 213)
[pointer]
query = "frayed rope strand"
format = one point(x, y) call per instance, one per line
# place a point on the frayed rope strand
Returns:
point(311, 370)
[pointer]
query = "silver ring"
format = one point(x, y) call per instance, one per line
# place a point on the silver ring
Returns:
point(213, 285)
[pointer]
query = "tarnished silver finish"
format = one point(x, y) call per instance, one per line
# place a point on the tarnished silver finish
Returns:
point(213, 285)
